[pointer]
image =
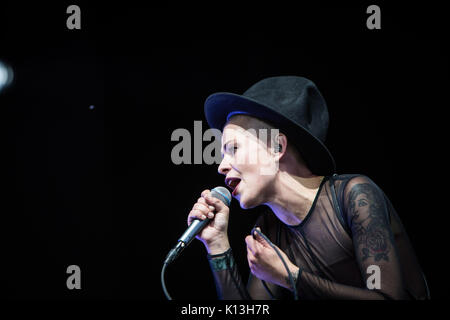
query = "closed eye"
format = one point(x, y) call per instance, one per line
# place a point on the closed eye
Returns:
point(230, 148)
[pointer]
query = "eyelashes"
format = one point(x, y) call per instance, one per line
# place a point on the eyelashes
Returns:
point(231, 149)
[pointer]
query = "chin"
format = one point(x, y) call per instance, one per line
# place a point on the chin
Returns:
point(247, 203)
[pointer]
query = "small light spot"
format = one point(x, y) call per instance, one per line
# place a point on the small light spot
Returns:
point(91, 107)
point(6, 75)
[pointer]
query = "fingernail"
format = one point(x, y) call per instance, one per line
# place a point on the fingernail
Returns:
point(203, 217)
point(210, 215)
point(211, 208)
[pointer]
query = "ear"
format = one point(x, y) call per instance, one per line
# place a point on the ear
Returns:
point(280, 145)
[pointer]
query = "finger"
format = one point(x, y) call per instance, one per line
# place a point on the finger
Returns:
point(202, 207)
point(210, 201)
point(252, 262)
point(195, 214)
point(260, 240)
point(250, 244)
point(205, 193)
point(250, 258)
point(203, 201)
point(207, 210)
point(216, 203)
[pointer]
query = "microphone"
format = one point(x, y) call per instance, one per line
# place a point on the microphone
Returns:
point(197, 225)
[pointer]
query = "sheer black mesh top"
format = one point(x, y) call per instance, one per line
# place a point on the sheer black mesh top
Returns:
point(338, 246)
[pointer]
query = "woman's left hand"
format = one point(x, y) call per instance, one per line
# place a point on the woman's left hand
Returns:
point(265, 264)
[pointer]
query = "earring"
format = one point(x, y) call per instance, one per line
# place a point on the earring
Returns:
point(278, 148)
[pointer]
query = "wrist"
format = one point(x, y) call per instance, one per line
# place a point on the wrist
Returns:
point(295, 272)
point(217, 246)
point(221, 261)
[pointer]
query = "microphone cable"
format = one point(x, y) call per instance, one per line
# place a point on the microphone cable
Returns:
point(291, 278)
point(196, 226)
point(163, 282)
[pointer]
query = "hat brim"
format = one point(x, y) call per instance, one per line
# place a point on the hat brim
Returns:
point(318, 158)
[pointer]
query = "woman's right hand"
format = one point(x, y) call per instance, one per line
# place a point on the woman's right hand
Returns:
point(214, 236)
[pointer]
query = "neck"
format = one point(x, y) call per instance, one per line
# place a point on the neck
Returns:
point(293, 196)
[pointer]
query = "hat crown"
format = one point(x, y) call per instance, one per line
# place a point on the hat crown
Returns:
point(296, 98)
point(292, 104)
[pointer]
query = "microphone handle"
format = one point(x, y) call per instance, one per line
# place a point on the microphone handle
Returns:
point(195, 228)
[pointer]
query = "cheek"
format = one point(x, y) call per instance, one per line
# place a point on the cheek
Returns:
point(255, 184)
point(364, 209)
point(257, 163)
point(246, 164)
point(250, 154)
point(253, 191)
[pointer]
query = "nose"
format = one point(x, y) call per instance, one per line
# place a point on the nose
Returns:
point(224, 166)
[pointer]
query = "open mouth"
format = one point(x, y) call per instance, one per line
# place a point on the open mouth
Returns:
point(232, 183)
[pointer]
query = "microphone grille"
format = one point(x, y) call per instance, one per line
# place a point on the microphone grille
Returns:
point(222, 194)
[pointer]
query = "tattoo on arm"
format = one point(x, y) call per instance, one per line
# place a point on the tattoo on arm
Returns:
point(370, 225)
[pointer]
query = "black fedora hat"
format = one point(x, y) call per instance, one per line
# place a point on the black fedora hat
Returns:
point(292, 104)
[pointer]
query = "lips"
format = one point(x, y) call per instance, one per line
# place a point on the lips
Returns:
point(232, 183)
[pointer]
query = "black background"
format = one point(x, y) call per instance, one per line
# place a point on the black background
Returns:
point(97, 187)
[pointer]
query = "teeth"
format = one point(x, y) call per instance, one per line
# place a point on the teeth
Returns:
point(232, 182)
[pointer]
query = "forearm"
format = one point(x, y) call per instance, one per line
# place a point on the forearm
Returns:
point(228, 281)
point(310, 286)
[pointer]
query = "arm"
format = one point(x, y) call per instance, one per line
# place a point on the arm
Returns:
point(228, 281)
point(214, 236)
point(229, 284)
point(373, 244)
